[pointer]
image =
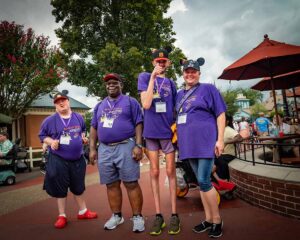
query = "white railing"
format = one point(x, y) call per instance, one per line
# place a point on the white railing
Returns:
point(31, 159)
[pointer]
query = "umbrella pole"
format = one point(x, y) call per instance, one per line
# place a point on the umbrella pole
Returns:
point(285, 103)
point(275, 103)
point(295, 101)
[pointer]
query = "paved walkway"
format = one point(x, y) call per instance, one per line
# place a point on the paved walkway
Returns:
point(26, 212)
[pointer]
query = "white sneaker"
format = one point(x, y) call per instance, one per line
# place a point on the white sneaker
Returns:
point(138, 224)
point(113, 222)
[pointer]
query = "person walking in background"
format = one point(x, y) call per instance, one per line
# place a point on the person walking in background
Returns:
point(244, 129)
point(117, 125)
point(262, 125)
point(63, 132)
point(200, 128)
point(158, 94)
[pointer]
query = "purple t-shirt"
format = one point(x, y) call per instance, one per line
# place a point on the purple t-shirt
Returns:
point(126, 113)
point(198, 135)
point(54, 126)
point(158, 125)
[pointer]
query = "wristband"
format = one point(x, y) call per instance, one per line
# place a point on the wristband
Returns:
point(139, 145)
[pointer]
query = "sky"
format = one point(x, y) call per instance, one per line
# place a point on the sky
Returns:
point(220, 31)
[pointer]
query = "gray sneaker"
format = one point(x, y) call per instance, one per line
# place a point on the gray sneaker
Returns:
point(157, 226)
point(138, 224)
point(174, 227)
point(113, 222)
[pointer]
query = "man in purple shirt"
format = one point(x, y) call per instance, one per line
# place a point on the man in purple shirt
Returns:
point(63, 132)
point(117, 124)
point(200, 128)
point(158, 95)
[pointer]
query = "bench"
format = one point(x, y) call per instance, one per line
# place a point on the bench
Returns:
point(291, 160)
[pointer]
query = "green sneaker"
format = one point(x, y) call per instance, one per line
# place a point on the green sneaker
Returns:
point(174, 227)
point(157, 226)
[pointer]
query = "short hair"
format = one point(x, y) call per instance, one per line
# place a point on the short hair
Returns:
point(4, 133)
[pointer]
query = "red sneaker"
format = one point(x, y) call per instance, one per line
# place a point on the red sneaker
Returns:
point(87, 215)
point(61, 222)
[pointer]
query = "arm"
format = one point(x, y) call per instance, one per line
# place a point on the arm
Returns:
point(137, 152)
point(237, 138)
point(147, 96)
point(219, 148)
point(93, 144)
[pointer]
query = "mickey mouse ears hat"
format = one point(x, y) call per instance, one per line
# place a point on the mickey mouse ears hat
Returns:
point(60, 95)
point(192, 64)
point(161, 54)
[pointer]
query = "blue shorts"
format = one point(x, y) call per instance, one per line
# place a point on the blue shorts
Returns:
point(63, 174)
point(116, 163)
point(202, 168)
point(164, 144)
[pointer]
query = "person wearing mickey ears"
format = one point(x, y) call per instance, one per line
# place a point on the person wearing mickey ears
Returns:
point(64, 134)
point(200, 123)
point(158, 95)
point(117, 124)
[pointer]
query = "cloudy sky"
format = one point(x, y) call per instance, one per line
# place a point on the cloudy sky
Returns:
point(220, 31)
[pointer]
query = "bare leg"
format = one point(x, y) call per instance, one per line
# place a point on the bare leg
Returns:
point(154, 177)
point(171, 173)
point(80, 202)
point(210, 204)
point(114, 195)
point(135, 196)
point(61, 203)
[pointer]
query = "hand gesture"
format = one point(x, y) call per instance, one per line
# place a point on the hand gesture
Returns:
point(55, 144)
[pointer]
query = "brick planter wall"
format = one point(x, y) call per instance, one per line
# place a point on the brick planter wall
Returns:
point(277, 196)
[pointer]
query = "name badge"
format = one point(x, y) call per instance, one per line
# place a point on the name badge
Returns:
point(182, 118)
point(108, 123)
point(160, 107)
point(65, 139)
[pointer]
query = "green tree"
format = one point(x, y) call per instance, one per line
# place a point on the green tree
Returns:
point(229, 97)
point(231, 94)
point(256, 109)
point(115, 36)
point(28, 68)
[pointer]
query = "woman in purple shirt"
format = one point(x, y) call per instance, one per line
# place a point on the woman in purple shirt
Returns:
point(200, 127)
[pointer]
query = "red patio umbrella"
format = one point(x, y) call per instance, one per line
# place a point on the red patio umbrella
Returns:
point(283, 81)
point(270, 58)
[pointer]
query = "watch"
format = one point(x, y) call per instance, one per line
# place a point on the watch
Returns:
point(139, 145)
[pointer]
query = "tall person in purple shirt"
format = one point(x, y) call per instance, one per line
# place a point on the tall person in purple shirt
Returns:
point(117, 125)
point(64, 134)
point(158, 95)
point(200, 127)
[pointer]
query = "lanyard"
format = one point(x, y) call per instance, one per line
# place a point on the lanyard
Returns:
point(159, 87)
point(64, 123)
point(111, 107)
point(186, 96)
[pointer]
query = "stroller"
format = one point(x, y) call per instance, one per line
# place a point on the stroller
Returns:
point(20, 157)
point(186, 179)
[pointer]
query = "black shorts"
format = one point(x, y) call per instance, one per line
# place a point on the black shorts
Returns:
point(62, 175)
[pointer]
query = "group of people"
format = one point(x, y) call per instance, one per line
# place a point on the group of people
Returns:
point(118, 130)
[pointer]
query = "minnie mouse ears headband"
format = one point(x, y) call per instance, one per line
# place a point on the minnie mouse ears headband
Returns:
point(161, 54)
point(192, 64)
